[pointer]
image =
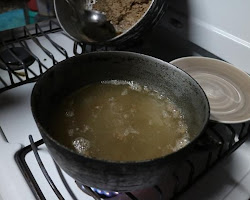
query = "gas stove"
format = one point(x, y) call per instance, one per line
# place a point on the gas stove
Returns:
point(27, 170)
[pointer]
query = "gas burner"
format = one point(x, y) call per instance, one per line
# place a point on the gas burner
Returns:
point(97, 193)
point(104, 194)
point(17, 58)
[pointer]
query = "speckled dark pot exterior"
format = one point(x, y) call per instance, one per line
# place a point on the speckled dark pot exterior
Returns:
point(76, 72)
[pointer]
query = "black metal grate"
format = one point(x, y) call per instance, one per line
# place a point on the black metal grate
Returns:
point(18, 38)
point(23, 37)
point(220, 141)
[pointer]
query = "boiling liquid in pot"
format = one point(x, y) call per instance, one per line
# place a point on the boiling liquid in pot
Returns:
point(119, 121)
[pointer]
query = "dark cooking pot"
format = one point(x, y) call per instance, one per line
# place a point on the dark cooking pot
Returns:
point(71, 74)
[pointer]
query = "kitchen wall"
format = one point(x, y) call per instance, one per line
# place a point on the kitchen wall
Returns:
point(220, 26)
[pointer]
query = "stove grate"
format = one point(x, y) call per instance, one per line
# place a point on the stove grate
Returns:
point(220, 141)
point(22, 38)
point(18, 38)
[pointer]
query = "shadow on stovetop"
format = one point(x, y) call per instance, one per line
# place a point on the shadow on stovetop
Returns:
point(166, 45)
point(10, 100)
point(166, 40)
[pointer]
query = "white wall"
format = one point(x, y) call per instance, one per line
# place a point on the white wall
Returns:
point(220, 26)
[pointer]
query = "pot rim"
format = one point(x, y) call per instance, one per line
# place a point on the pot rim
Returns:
point(97, 160)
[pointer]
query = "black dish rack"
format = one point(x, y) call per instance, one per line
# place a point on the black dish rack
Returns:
point(220, 141)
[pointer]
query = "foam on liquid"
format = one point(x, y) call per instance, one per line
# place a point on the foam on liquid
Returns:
point(119, 121)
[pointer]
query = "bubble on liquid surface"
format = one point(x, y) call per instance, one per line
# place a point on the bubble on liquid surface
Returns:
point(181, 142)
point(81, 145)
point(124, 92)
point(71, 132)
point(130, 130)
point(69, 113)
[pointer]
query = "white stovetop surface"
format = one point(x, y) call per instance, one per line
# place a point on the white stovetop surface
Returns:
point(229, 180)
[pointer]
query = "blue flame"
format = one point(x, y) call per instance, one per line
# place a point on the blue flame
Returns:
point(108, 194)
point(103, 193)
